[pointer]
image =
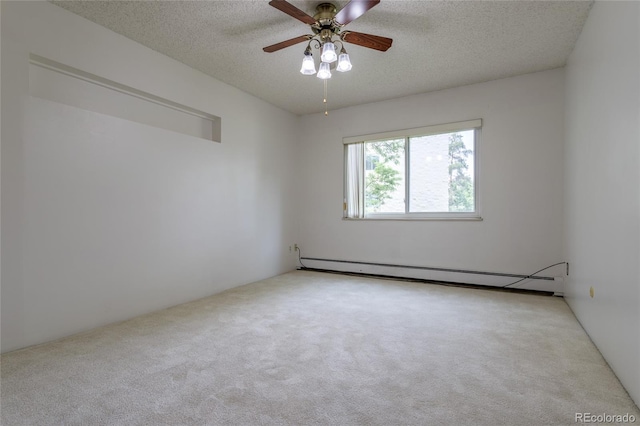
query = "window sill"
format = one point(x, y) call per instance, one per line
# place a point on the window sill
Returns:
point(417, 218)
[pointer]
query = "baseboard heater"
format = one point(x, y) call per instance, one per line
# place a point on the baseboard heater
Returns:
point(465, 277)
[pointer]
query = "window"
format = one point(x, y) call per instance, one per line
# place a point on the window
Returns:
point(425, 173)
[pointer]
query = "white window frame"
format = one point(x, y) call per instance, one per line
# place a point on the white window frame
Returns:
point(357, 213)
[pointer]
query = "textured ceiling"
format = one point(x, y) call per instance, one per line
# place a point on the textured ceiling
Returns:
point(437, 44)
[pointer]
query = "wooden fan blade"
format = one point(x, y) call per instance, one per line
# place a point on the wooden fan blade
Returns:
point(286, 43)
point(367, 40)
point(353, 10)
point(292, 11)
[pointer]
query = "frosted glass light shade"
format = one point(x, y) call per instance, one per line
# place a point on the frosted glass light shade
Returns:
point(325, 71)
point(329, 53)
point(308, 66)
point(344, 63)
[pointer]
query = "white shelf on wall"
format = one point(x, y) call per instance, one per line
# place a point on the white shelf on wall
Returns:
point(61, 83)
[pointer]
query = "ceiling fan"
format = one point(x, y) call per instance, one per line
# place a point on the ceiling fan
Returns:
point(328, 23)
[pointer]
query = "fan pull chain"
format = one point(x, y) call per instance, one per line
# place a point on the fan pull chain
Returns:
point(326, 109)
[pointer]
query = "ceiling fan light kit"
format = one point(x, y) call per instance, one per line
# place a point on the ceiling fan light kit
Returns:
point(308, 65)
point(328, 52)
point(327, 25)
point(344, 63)
point(324, 72)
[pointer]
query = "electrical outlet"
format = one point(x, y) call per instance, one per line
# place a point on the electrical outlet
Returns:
point(591, 292)
point(289, 249)
point(295, 247)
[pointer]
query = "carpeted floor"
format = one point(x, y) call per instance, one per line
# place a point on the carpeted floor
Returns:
point(308, 348)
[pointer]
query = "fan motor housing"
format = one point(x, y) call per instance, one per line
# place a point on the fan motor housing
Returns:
point(325, 14)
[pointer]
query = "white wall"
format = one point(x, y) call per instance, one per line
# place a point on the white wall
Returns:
point(520, 182)
point(103, 218)
point(602, 210)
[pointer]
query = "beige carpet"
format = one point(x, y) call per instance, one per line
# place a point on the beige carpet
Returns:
point(312, 348)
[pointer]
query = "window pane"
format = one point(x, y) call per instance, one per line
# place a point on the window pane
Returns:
point(384, 187)
point(442, 173)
